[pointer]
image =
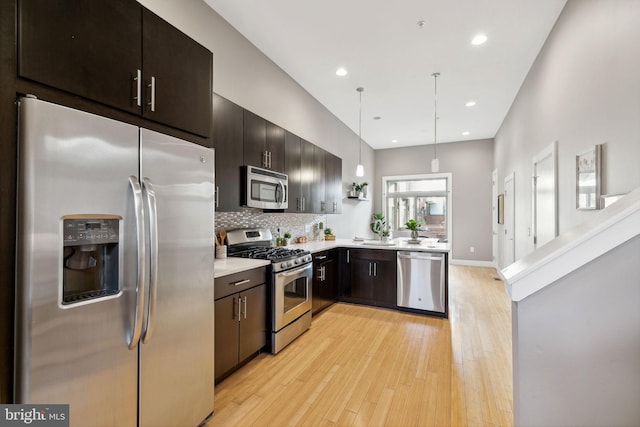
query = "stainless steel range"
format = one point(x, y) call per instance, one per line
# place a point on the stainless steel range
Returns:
point(291, 272)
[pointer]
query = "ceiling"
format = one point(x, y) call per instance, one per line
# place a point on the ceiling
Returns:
point(391, 56)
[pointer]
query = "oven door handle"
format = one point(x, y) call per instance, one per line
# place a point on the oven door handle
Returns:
point(294, 272)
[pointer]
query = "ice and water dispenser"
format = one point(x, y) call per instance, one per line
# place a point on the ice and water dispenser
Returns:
point(90, 258)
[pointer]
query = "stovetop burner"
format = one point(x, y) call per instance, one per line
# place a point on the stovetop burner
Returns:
point(272, 254)
point(256, 244)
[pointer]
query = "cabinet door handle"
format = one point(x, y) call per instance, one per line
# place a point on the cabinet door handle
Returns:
point(324, 273)
point(319, 257)
point(375, 269)
point(245, 308)
point(347, 256)
point(138, 80)
point(320, 274)
point(152, 85)
point(370, 268)
point(240, 282)
point(236, 307)
point(217, 196)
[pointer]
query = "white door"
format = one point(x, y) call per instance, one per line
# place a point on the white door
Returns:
point(544, 203)
point(509, 220)
point(494, 215)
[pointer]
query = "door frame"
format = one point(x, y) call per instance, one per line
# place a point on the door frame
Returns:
point(494, 217)
point(550, 151)
point(509, 217)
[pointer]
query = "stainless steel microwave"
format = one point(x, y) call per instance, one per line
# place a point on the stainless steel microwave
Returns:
point(265, 189)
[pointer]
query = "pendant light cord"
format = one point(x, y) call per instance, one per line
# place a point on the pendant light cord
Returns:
point(435, 112)
point(360, 89)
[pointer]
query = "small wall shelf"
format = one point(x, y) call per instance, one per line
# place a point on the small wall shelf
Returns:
point(358, 198)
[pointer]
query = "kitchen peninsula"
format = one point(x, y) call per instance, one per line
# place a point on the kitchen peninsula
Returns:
point(363, 272)
point(393, 274)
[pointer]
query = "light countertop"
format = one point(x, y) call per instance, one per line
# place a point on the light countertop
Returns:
point(231, 265)
point(394, 245)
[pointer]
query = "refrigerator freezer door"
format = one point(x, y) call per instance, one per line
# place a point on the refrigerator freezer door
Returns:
point(74, 163)
point(176, 359)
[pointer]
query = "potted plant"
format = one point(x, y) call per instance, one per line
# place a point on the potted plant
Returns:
point(386, 235)
point(328, 234)
point(360, 189)
point(354, 190)
point(287, 237)
point(378, 224)
point(413, 225)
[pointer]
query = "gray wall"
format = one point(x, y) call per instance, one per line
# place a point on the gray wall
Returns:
point(576, 346)
point(242, 74)
point(470, 163)
point(583, 89)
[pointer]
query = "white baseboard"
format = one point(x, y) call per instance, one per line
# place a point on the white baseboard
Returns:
point(472, 263)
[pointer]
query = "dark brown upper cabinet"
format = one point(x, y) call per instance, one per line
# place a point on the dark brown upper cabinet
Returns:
point(119, 54)
point(333, 183)
point(263, 143)
point(318, 187)
point(176, 78)
point(292, 147)
point(308, 176)
point(275, 147)
point(227, 140)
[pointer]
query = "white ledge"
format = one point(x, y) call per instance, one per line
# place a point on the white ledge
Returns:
point(605, 230)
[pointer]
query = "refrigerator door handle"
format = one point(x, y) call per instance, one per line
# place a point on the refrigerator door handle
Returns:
point(149, 323)
point(142, 271)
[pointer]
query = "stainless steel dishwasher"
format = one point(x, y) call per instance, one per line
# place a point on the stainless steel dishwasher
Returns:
point(421, 281)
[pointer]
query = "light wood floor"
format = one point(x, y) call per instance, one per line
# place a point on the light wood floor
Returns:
point(364, 366)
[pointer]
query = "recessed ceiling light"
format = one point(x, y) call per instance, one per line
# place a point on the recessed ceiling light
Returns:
point(470, 103)
point(394, 140)
point(478, 39)
point(341, 72)
point(466, 133)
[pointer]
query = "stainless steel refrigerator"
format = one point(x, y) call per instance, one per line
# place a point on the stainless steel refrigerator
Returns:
point(115, 270)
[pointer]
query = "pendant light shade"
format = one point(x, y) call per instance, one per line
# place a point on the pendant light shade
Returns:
point(360, 167)
point(435, 163)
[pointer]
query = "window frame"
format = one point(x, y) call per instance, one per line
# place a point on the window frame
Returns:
point(448, 176)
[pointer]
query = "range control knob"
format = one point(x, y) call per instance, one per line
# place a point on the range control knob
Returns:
point(297, 261)
point(283, 265)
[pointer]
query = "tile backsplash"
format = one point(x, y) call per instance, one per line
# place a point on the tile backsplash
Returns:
point(297, 224)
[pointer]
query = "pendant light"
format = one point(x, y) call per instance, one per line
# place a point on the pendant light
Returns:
point(360, 167)
point(435, 163)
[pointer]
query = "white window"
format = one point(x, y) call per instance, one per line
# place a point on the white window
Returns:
point(425, 198)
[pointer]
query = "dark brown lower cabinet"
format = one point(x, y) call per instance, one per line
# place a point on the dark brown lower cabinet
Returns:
point(369, 277)
point(325, 280)
point(240, 323)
